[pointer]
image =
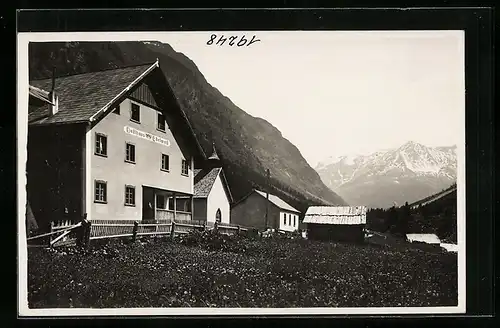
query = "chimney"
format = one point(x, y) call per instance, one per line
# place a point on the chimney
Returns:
point(53, 97)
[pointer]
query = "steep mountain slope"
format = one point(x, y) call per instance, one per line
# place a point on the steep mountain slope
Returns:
point(246, 145)
point(406, 174)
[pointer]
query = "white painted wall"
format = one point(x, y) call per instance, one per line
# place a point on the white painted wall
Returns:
point(218, 199)
point(146, 171)
point(289, 221)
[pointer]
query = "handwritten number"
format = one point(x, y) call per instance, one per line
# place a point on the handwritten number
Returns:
point(253, 40)
point(212, 38)
point(222, 39)
point(242, 40)
point(232, 40)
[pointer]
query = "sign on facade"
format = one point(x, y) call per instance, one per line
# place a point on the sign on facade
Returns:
point(147, 136)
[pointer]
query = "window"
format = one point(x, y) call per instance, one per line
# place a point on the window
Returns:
point(161, 122)
point(185, 167)
point(184, 205)
point(218, 216)
point(284, 218)
point(165, 165)
point(130, 195)
point(135, 113)
point(101, 144)
point(160, 202)
point(289, 219)
point(294, 220)
point(130, 153)
point(116, 110)
point(100, 192)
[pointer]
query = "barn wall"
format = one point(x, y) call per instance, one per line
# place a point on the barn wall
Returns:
point(55, 173)
point(251, 212)
point(343, 233)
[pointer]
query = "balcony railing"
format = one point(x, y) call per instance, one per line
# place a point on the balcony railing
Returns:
point(162, 214)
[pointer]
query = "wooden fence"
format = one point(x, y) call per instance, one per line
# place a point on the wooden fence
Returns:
point(103, 229)
point(86, 230)
point(61, 233)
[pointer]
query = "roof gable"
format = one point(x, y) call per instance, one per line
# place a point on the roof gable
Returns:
point(83, 96)
point(278, 202)
point(89, 97)
point(204, 180)
point(143, 94)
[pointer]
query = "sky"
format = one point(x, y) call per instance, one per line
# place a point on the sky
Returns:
point(346, 92)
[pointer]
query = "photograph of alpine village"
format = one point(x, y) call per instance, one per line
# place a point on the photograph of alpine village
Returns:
point(298, 171)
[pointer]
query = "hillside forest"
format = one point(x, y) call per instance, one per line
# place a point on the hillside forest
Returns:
point(438, 217)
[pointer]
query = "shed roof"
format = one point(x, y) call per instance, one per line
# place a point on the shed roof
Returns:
point(428, 238)
point(278, 202)
point(336, 215)
point(81, 96)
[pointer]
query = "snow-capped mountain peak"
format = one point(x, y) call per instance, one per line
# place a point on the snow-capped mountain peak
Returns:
point(411, 160)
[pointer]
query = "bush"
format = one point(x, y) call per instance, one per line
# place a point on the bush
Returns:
point(212, 240)
point(283, 234)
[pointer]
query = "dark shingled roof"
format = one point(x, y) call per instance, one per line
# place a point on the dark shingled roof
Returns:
point(204, 180)
point(83, 95)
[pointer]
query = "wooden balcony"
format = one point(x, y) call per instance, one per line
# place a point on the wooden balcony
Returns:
point(162, 214)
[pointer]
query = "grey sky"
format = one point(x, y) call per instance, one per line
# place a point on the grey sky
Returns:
point(345, 92)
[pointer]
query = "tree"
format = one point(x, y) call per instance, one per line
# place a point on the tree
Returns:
point(392, 219)
point(403, 219)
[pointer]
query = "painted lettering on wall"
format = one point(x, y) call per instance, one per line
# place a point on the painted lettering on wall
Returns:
point(146, 135)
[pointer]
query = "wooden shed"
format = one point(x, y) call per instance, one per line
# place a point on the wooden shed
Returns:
point(336, 223)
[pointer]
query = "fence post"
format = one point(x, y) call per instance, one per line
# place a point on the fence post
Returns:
point(239, 230)
point(172, 230)
point(51, 230)
point(88, 227)
point(134, 231)
point(80, 232)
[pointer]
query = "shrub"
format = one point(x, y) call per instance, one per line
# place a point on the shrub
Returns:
point(212, 240)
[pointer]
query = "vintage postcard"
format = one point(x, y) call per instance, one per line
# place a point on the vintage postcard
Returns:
point(241, 173)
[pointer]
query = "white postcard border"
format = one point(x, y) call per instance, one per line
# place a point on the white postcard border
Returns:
point(22, 124)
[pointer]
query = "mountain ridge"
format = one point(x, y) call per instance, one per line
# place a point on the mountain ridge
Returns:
point(363, 179)
point(246, 145)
